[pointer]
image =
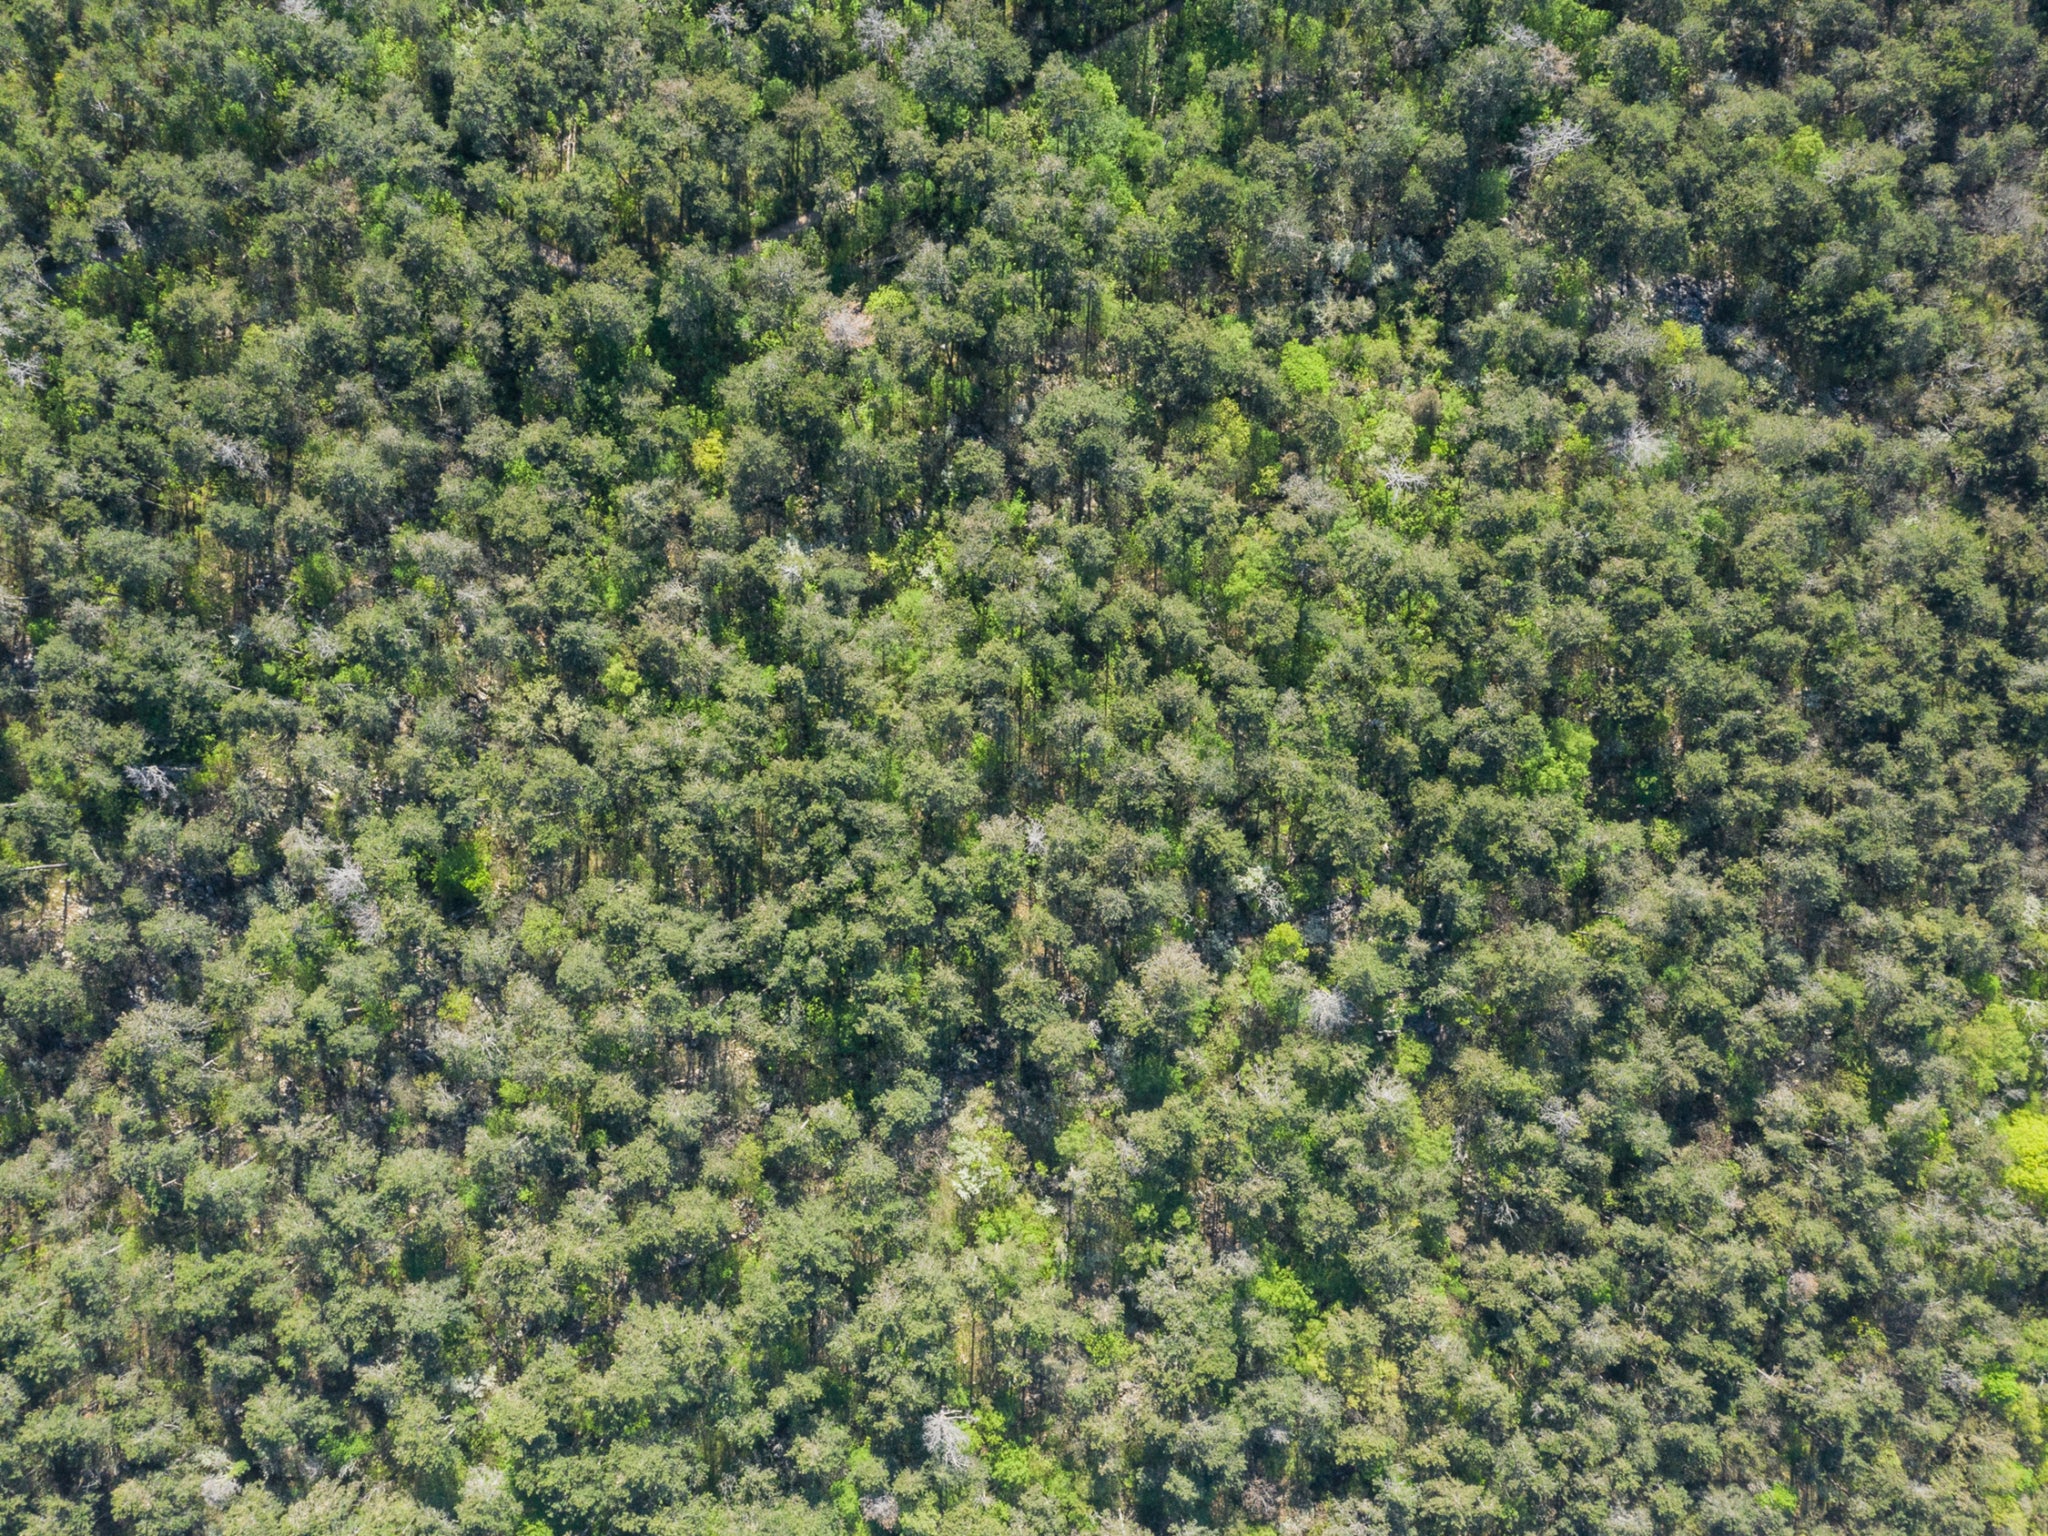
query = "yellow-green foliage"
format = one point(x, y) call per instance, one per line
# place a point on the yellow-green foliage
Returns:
point(1304, 370)
point(1996, 1045)
point(2026, 1137)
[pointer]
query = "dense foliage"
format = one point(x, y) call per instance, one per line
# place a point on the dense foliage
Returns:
point(788, 768)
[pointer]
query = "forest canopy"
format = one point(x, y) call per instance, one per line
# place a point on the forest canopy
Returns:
point(823, 768)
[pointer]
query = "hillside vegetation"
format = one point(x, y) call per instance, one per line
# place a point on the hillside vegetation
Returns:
point(796, 769)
